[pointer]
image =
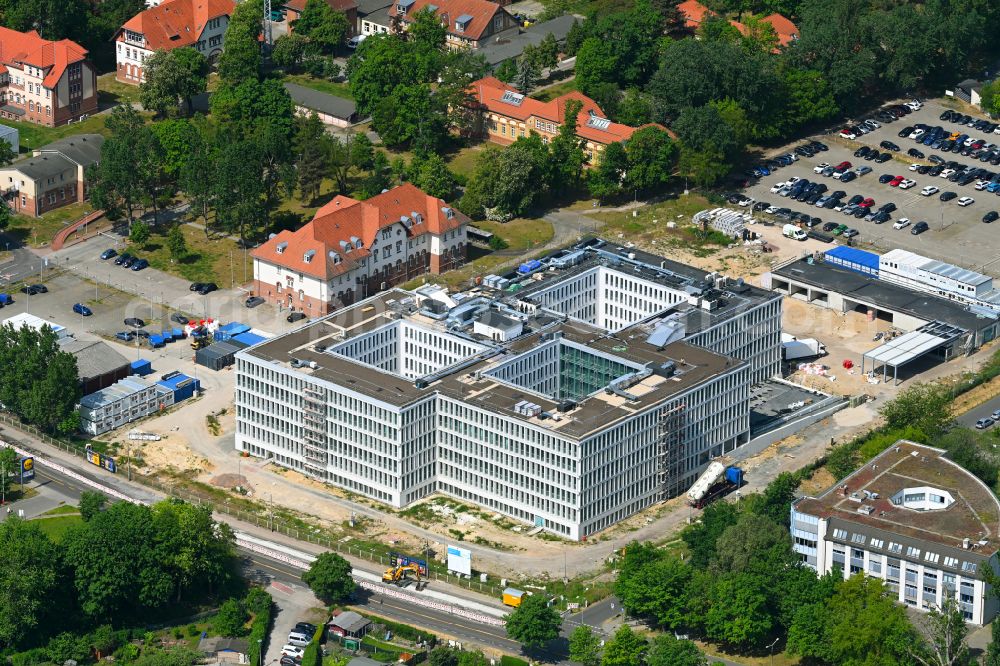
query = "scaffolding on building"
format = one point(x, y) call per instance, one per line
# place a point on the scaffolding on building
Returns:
point(669, 451)
point(314, 432)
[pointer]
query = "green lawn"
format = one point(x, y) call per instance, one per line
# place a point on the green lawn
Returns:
point(650, 223)
point(209, 259)
point(35, 136)
point(38, 231)
point(57, 527)
point(113, 91)
point(322, 85)
point(553, 91)
point(64, 510)
point(464, 161)
point(520, 234)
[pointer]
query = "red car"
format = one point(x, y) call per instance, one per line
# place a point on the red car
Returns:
point(896, 181)
point(843, 166)
point(867, 203)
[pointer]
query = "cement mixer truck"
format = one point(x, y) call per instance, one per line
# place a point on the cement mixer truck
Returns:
point(715, 481)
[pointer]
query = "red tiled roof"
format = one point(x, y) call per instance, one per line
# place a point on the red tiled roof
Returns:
point(591, 123)
point(31, 49)
point(481, 11)
point(348, 220)
point(785, 29)
point(177, 23)
point(693, 12)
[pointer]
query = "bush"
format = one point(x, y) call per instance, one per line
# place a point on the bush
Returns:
point(178, 633)
point(192, 630)
point(404, 630)
point(231, 619)
point(260, 604)
point(507, 660)
point(29, 657)
point(497, 243)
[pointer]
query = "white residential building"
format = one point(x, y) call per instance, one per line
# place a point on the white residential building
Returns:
point(171, 24)
point(912, 518)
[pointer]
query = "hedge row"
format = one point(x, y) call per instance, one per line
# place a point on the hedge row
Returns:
point(404, 630)
point(261, 605)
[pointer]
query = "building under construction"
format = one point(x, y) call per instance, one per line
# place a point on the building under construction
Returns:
point(517, 399)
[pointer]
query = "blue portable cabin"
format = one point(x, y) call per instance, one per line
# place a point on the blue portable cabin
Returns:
point(141, 367)
point(155, 341)
point(178, 333)
point(229, 330)
point(249, 339)
point(167, 335)
point(529, 267)
point(853, 259)
point(181, 385)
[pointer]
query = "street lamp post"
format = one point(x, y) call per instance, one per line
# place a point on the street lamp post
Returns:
point(260, 655)
point(770, 649)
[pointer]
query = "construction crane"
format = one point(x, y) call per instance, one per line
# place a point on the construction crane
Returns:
point(401, 575)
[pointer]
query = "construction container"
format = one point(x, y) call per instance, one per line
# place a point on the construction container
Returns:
point(249, 339)
point(141, 367)
point(512, 597)
point(216, 356)
point(182, 386)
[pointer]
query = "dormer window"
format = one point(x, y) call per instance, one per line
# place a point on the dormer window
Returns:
point(281, 247)
point(346, 247)
point(417, 217)
point(449, 213)
point(307, 257)
point(334, 257)
point(402, 6)
point(462, 23)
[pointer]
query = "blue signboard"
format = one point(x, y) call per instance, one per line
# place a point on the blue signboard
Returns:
point(101, 460)
point(397, 560)
point(27, 469)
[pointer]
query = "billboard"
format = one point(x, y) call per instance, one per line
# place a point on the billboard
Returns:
point(397, 560)
point(27, 469)
point(460, 560)
point(101, 460)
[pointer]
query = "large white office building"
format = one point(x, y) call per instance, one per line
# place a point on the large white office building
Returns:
point(567, 395)
point(925, 526)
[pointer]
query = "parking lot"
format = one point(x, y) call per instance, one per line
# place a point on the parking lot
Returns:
point(956, 234)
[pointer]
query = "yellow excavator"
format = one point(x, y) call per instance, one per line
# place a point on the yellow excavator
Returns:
point(401, 575)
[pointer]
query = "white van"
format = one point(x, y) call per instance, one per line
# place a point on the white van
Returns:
point(298, 640)
point(792, 231)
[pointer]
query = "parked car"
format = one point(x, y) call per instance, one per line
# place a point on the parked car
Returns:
point(830, 226)
point(33, 289)
point(108, 254)
point(906, 183)
point(919, 228)
point(928, 191)
point(295, 316)
point(883, 158)
point(913, 152)
point(862, 151)
point(863, 170)
point(901, 223)
point(966, 201)
point(848, 177)
point(819, 167)
point(140, 264)
point(135, 322)
point(122, 258)
point(850, 233)
point(128, 262)
point(947, 196)
point(125, 336)
point(204, 288)
point(293, 651)
point(253, 301)
point(889, 145)
point(179, 319)
point(991, 216)
point(984, 423)
point(896, 180)
point(82, 309)
point(935, 159)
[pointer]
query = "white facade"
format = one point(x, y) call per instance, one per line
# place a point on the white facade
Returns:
point(132, 48)
point(124, 401)
point(938, 278)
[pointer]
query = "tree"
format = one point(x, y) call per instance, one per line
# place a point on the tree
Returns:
point(650, 154)
point(177, 139)
point(119, 179)
point(311, 149)
point(754, 544)
point(507, 70)
point(231, 619)
point(7, 154)
point(864, 626)
point(4, 216)
point(946, 632)
point(176, 243)
point(172, 77)
point(505, 182)
point(289, 51)
point(91, 503)
point(708, 144)
point(701, 537)
point(566, 151)
point(654, 585)
point(38, 381)
point(426, 31)
point(239, 188)
point(836, 41)
point(635, 108)
point(378, 179)
point(926, 406)
point(626, 648)
point(993, 649)
point(414, 115)
point(526, 75)
point(67, 646)
point(432, 175)
point(8, 468)
point(329, 577)
point(990, 97)
point(585, 647)
point(595, 64)
point(325, 27)
point(240, 61)
point(605, 181)
point(669, 651)
point(139, 233)
point(534, 622)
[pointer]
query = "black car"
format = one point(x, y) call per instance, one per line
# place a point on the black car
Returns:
point(889, 145)
point(122, 258)
point(128, 262)
point(888, 207)
point(883, 158)
point(913, 152)
point(305, 628)
point(860, 212)
point(107, 254)
point(819, 145)
point(813, 198)
point(135, 322)
point(139, 264)
point(295, 316)
point(862, 151)
point(830, 226)
point(196, 286)
point(946, 115)
point(923, 169)
point(732, 198)
point(935, 159)
point(872, 155)
point(760, 206)
point(848, 177)
point(855, 200)
point(880, 217)
point(948, 196)
point(207, 288)
point(179, 318)
point(905, 132)
point(919, 228)
point(253, 301)
point(991, 216)
point(885, 178)
point(32, 289)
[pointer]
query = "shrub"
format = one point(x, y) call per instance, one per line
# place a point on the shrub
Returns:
point(29, 657)
point(404, 630)
point(178, 633)
point(192, 630)
point(231, 619)
point(260, 604)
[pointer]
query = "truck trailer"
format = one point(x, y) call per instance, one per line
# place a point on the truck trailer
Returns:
point(795, 349)
point(715, 481)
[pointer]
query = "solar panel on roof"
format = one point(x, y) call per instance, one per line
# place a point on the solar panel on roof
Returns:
point(598, 123)
point(511, 97)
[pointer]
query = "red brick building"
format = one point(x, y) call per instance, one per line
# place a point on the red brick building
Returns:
point(44, 82)
point(352, 249)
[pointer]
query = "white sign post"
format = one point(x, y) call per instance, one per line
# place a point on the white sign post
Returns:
point(459, 560)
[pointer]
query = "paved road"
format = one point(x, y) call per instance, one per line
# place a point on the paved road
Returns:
point(20, 265)
point(970, 417)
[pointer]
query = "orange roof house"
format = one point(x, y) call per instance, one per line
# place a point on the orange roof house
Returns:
point(784, 28)
point(40, 65)
point(470, 23)
point(509, 115)
point(352, 249)
point(694, 13)
point(199, 24)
